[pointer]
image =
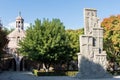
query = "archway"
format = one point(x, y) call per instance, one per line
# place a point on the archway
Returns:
point(12, 65)
point(23, 64)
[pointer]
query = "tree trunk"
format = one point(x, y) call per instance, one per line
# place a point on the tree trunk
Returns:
point(39, 66)
point(46, 67)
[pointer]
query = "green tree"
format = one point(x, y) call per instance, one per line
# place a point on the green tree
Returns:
point(111, 26)
point(73, 38)
point(46, 42)
point(3, 42)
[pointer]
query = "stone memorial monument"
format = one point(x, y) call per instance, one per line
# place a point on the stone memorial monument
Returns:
point(92, 59)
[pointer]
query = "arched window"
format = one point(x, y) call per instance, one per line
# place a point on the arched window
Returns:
point(18, 39)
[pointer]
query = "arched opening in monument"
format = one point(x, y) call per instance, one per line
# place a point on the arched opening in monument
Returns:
point(94, 41)
point(12, 65)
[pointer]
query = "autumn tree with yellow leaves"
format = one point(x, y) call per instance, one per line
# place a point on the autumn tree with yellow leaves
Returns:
point(111, 27)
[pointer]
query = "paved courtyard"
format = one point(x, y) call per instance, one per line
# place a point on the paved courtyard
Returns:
point(28, 76)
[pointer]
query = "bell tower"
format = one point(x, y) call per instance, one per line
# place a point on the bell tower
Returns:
point(20, 22)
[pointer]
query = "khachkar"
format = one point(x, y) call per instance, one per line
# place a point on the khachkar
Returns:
point(92, 59)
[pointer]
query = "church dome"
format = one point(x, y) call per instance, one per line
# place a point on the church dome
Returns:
point(19, 17)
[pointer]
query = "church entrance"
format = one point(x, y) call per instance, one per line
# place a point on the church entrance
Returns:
point(12, 65)
point(16, 66)
point(22, 65)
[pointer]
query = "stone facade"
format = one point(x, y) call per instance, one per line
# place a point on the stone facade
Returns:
point(91, 48)
point(14, 37)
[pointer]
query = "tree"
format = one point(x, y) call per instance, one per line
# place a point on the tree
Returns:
point(74, 44)
point(45, 42)
point(73, 36)
point(111, 26)
point(3, 42)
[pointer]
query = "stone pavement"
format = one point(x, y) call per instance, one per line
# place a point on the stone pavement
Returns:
point(28, 76)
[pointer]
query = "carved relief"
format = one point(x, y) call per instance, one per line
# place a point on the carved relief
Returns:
point(90, 19)
point(91, 42)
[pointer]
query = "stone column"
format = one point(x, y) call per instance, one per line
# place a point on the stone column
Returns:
point(17, 66)
point(18, 60)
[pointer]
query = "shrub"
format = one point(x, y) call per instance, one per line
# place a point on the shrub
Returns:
point(71, 73)
point(35, 72)
point(52, 73)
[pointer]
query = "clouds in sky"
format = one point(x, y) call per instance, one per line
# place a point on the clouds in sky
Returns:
point(13, 25)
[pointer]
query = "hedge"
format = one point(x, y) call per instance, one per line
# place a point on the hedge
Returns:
point(52, 73)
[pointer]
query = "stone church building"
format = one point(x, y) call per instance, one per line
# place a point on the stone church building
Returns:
point(14, 37)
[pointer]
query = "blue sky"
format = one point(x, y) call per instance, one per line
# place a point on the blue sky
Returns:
point(70, 12)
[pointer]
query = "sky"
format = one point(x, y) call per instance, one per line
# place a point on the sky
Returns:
point(70, 12)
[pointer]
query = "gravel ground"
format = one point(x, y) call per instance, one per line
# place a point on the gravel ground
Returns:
point(29, 76)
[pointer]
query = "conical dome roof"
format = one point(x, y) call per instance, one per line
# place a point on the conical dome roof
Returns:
point(19, 17)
